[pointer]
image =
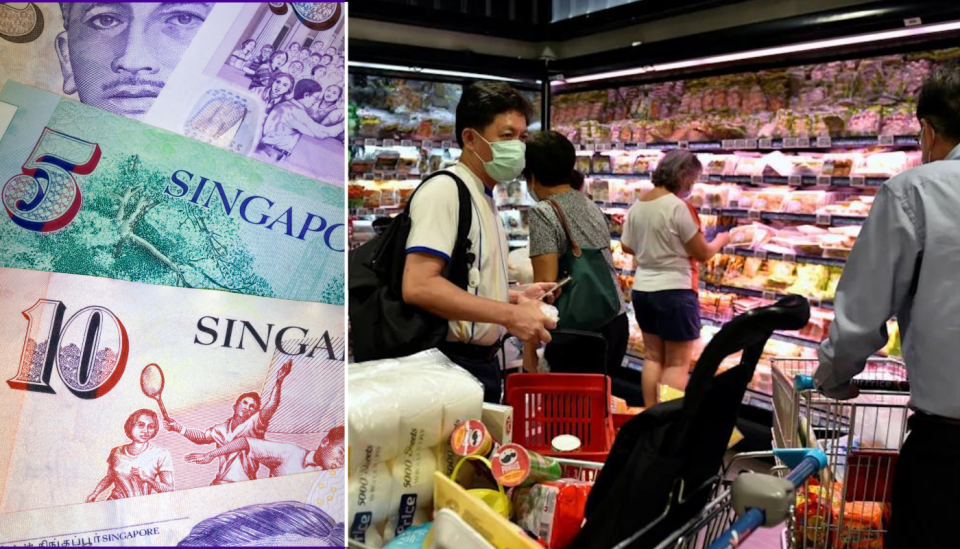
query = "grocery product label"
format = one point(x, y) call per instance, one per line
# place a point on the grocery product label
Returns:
point(358, 528)
point(471, 438)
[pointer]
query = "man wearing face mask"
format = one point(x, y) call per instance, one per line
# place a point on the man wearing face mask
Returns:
point(906, 263)
point(491, 127)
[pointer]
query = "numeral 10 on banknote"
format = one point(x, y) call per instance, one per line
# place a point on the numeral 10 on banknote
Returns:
point(90, 350)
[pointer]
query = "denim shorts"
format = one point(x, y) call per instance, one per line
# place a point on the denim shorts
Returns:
point(672, 315)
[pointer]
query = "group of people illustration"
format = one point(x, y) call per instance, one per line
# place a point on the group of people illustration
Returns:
point(142, 467)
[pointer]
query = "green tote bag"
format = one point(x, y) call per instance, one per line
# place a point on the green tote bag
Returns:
point(591, 300)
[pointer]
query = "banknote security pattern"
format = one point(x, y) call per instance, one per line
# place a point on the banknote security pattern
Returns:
point(182, 179)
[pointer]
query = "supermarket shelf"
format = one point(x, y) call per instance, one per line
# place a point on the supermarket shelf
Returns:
point(383, 210)
point(764, 294)
point(779, 144)
point(618, 205)
point(384, 175)
point(825, 220)
point(793, 180)
point(419, 143)
point(707, 321)
point(833, 262)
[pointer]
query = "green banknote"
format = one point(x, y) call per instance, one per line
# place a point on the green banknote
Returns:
point(89, 192)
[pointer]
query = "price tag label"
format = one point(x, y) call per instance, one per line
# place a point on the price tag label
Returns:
point(795, 180)
point(885, 140)
point(789, 143)
point(824, 142)
point(589, 146)
point(728, 144)
point(769, 296)
point(641, 145)
point(858, 181)
point(369, 142)
point(617, 146)
point(406, 142)
point(790, 258)
point(703, 285)
point(683, 144)
point(740, 144)
point(446, 144)
point(426, 144)
point(766, 143)
point(756, 179)
point(749, 143)
point(824, 219)
point(389, 142)
point(729, 250)
point(824, 180)
point(369, 177)
point(762, 254)
point(814, 302)
point(603, 146)
point(753, 214)
point(706, 211)
point(803, 142)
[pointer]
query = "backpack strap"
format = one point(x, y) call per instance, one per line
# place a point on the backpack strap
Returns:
point(577, 252)
point(461, 260)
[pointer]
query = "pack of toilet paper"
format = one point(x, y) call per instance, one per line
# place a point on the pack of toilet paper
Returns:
point(401, 415)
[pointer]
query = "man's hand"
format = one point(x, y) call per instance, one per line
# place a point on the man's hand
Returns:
point(534, 292)
point(201, 458)
point(284, 371)
point(172, 425)
point(529, 324)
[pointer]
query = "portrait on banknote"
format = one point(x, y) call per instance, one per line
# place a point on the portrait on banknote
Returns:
point(117, 57)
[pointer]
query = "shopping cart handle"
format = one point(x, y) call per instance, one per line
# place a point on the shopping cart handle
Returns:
point(803, 382)
point(754, 518)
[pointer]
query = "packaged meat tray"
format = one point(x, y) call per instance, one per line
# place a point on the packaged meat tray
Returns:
point(751, 236)
point(646, 162)
point(837, 165)
point(807, 202)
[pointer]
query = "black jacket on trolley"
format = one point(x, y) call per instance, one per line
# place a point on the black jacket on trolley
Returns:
point(664, 464)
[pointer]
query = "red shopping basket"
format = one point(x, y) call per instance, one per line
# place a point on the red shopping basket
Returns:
point(548, 405)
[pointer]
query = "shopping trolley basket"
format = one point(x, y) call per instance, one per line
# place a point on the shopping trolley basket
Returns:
point(662, 467)
point(848, 505)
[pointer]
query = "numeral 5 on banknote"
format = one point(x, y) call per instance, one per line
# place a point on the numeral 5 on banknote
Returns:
point(46, 196)
point(90, 350)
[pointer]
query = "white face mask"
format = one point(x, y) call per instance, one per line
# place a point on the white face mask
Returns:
point(509, 159)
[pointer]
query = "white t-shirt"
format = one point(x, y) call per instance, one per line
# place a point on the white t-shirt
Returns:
point(281, 458)
point(434, 213)
point(656, 231)
point(151, 462)
point(236, 467)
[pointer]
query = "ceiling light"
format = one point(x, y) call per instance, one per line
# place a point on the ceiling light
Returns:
point(771, 52)
point(435, 72)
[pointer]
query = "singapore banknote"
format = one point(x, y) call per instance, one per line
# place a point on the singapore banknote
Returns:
point(121, 398)
point(89, 192)
point(263, 80)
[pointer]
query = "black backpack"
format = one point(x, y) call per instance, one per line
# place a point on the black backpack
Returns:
point(381, 324)
point(663, 466)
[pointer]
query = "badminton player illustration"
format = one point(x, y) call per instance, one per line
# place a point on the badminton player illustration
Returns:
point(249, 420)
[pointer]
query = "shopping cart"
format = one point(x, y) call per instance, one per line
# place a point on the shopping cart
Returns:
point(849, 504)
point(758, 499)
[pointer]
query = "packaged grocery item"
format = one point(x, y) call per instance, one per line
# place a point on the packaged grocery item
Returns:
point(860, 526)
point(601, 163)
point(498, 419)
point(836, 165)
point(751, 236)
point(554, 511)
point(806, 202)
point(646, 162)
point(882, 164)
point(514, 465)
point(812, 514)
point(782, 274)
point(471, 438)
point(621, 162)
point(583, 164)
point(771, 199)
point(371, 198)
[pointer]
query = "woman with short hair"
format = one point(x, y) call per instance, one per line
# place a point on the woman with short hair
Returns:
point(554, 183)
point(663, 233)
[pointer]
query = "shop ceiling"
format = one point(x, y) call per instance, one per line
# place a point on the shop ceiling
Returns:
point(516, 38)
